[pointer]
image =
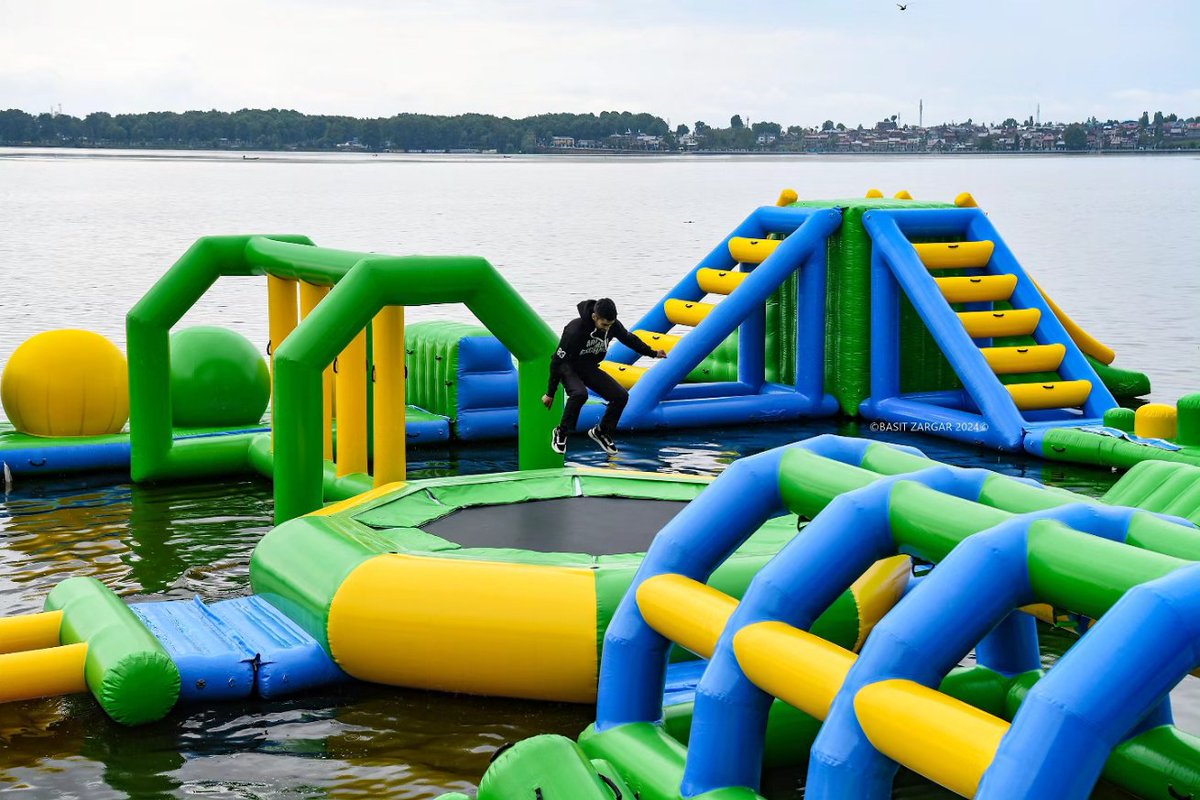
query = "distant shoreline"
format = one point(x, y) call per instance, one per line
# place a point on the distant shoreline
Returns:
point(278, 156)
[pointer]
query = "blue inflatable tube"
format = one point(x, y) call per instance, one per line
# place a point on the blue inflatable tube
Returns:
point(808, 573)
point(807, 243)
point(975, 588)
point(1145, 644)
point(66, 459)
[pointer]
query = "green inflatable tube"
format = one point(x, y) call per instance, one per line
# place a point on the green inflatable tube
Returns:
point(128, 671)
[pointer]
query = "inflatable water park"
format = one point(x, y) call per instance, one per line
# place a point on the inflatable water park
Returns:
point(838, 605)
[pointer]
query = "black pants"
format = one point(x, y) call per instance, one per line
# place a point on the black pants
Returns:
point(577, 379)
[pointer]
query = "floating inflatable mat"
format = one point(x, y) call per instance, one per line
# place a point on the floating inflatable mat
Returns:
point(497, 584)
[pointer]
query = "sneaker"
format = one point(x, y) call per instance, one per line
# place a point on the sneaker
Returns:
point(603, 439)
point(558, 440)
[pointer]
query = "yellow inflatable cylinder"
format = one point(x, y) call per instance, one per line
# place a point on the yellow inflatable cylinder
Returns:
point(1056, 394)
point(787, 197)
point(877, 590)
point(43, 673)
point(388, 330)
point(723, 281)
point(625, 374)
point(1156, 421)
point(281, 309)
point(955, 255)
point(310, 295)
point(30, 632)
point(943, 739)
point(987, 324)
point(66, 383)
point(875, 194)
point(501, 629)
point(751, 251)
point(684, 312)
point(350, 391)
point(685, 611)
point(794, 665)
point(903, 195)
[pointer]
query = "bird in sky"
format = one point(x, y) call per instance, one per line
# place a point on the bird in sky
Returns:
point(902, 7)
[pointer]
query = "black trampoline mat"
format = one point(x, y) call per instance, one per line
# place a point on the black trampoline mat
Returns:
point(599, 526)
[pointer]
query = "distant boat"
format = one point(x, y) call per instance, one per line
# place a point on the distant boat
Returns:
point(249, 158)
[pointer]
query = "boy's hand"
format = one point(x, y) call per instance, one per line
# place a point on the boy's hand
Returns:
point(660, 353)
point(547, 401)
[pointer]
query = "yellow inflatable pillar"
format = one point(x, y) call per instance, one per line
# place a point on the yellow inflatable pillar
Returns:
point(874, 193)
point(685, 611)
point(796, 666)
point(388, 341)
point(787, 197)
point(281, 321)
point(47, 672)
point(310, 295)
point(943, 739)
point(1156, 421)
point(350, 392)
point(30, 631)
point(903, 195)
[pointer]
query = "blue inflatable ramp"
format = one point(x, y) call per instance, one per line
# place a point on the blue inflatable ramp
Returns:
point(237, 648)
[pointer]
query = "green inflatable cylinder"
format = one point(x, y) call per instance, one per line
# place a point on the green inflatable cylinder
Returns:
point(1120, 418)
point(127, 669)
point(550, 767)
point(1188, 409)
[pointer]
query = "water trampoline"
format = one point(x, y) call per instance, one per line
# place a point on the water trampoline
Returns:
point(488, 584)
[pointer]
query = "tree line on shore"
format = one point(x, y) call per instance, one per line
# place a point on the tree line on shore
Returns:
point(281, 129)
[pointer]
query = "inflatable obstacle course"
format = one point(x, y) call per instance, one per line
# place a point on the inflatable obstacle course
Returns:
point(914, 313)
point(1003, 728)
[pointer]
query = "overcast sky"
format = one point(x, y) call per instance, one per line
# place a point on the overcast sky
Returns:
point(787, 61)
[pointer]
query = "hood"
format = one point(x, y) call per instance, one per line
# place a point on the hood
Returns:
point(585, 310)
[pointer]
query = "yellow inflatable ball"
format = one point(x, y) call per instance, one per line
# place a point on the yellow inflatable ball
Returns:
point(66, 383)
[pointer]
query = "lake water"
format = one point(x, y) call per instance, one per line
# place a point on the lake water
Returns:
point(83, 234)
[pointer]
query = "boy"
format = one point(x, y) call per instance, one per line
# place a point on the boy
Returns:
point(576, 365)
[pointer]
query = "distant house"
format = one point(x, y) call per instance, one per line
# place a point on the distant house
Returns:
point(562, 141)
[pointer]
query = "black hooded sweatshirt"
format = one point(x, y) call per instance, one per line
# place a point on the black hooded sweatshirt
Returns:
point(584, 345)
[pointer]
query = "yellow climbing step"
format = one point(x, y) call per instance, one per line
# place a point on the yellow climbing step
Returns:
point(1056, 394)
point(720, 281)
point(685, 312)
point(659, 341)
point(979, 289)
point(986, 324)
point(955, 255)
point(1029, 358)
point(752, 251)
point(625, 374)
